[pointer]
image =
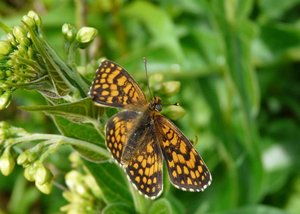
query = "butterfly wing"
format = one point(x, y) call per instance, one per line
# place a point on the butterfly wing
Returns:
point(187, 170)
point(144, 165)
point(114, 87)
point(145, 169)
point(118, 129)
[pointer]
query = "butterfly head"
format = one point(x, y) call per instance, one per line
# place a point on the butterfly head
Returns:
point(155, 104)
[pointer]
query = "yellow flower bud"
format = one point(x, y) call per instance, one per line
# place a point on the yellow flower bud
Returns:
point(174, 112)
point(29, 172)
point(45, 187)
point(69, 32)
point(85, 36)
point(5, 47)
point(19, 33)
point(42, 174)
point(7, 162)
point(35, 17)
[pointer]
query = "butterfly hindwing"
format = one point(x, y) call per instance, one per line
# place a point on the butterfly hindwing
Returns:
point(145, 169)
point(117, 131)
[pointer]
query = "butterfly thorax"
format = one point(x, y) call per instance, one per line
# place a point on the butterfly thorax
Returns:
point(155, 104)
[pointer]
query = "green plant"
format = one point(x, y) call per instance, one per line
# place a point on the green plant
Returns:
point(237, 66)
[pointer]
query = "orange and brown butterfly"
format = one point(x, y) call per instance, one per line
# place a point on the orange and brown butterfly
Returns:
point(139, 137)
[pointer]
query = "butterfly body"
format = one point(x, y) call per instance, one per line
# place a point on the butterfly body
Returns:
point(139, 137)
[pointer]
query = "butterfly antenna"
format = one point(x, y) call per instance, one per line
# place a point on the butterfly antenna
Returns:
point(146, 70)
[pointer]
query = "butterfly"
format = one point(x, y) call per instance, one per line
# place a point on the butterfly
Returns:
point(139, 137)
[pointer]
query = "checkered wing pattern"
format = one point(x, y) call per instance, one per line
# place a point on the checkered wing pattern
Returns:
point(187, 170)
point(117, 131)
point(114, 87)
point(145, 169)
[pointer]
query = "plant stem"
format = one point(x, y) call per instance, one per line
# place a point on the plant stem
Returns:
point(63, 140)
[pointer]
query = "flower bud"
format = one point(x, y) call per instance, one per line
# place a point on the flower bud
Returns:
point(174, 112)
point(7, 162)
point(29, 172)
point(170, 87)
point(23, 158)
point(12, 40)
point(28, 20)
point(85, 35)
point(43, 174)
point(69, 32)
point(45, 187)
point(35, 17)
point(29, 156)
point(5, 48)
point(5, 99)
point(19, 33)
point(72, 178)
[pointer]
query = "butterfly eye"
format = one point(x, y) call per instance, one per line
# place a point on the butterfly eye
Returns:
point(158, 107)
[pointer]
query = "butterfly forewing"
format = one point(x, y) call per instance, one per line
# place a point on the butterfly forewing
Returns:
point(186, 168)
point(113, 86)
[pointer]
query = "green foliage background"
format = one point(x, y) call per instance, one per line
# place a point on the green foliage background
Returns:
point(238, 65)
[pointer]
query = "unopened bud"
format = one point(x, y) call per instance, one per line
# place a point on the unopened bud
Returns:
point(7, 162)
point(10, 37)
point(170, 87)
point(19, 33)
point(85, 36)
point(174, 112)
point(5, 48)
point(43, 174)
point(45, 187)
point(35, 17)
point(69, 32)
point(28, 21)
point(29, 172)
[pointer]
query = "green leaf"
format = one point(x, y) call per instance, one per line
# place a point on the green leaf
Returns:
point(237, 37)
point(112, 182)
point(59, 81)
point(161, 206)
point(117, 208)
point(83, 132)
point(82, 111)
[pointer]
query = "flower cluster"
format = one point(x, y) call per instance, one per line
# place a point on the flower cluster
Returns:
point(35, 171)
point(31, 159)
point(20, 63)
point(27, 61)
point(83, 194)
